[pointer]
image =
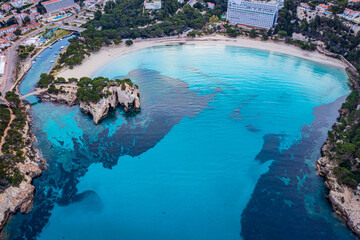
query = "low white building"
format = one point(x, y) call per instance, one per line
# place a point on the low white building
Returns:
point(17, 3)
point(57, 5)
point(2, 65)
point(28, 28)
point(6, 7)
point(152, 4)
point(6, 30)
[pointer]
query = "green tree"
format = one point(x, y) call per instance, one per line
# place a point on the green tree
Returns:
point(264, 37)
point(97, 15)
point(17, 32)
point(129, 42)
point(282, 33)
point(349, 148)
point(12, 98)
point(192, 34)
point(252, 33)
point(27, 19)
point(214, 19)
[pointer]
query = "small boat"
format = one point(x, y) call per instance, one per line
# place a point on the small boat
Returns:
point(39, 56)
point(52, 61)
point(60, 39)
point(33, 62)
point(61, 47)
point(50, 47)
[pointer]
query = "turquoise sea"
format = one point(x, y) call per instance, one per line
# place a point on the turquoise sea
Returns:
point(224, 148)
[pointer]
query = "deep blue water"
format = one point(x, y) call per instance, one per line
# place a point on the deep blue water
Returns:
point(224, 148)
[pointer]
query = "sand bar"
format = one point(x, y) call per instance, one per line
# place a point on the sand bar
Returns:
point(106, 54)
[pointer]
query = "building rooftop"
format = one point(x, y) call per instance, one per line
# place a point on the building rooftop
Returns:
point(4, 29)
point(255, 6)
point(51, 1)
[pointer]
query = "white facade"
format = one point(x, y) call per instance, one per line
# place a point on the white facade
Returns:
point(57, 5)
point(17, 3)
point(10, 29)
point(251, 13)
point(152, 4)
point(2, 65)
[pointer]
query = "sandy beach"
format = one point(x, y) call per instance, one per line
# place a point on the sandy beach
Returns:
point(106, 54)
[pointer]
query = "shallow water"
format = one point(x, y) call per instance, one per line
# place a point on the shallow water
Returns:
point(224, 148)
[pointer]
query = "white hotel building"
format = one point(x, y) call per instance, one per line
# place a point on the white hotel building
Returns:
point(57, 5)
point(252, 13)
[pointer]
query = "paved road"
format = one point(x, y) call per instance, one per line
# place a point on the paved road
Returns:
point(70, 28)
point(12, 59)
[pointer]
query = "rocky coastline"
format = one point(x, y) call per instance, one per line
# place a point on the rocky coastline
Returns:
point(15, 198)
point(344, 199)
point(125, 95)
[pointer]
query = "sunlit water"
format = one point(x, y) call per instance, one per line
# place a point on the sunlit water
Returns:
point(224, 148)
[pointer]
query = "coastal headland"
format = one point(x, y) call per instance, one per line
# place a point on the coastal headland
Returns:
point(21, 160)
point(95, 96)
point(339, 162)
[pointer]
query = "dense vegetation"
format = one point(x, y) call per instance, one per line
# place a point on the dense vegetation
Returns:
point(12, 149)
point(4, 118)
point(45, 80)
point(25, 51)
point(90, 89)
point(345, 142)
point(126, 19)
point(337, 36)
point(287, 20)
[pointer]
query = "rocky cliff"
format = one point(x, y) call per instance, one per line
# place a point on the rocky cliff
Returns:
point(20, 198)
point(125, 95)
point(344, 199)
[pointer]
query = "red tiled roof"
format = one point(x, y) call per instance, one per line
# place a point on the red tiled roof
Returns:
point(4, 29)
point(31, 26)
point(5, 6)
point(323, 6)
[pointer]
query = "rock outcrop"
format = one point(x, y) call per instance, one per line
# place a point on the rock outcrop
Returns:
point(345, 200)
point(67, 96)
point(124, 95)
point(20, 198)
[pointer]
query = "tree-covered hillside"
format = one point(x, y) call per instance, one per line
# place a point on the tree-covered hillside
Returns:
point(127, 19)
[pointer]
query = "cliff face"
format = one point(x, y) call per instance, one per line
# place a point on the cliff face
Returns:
point(344, 199)
point(20, 198)
point(126, 96)
point(68, 96)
